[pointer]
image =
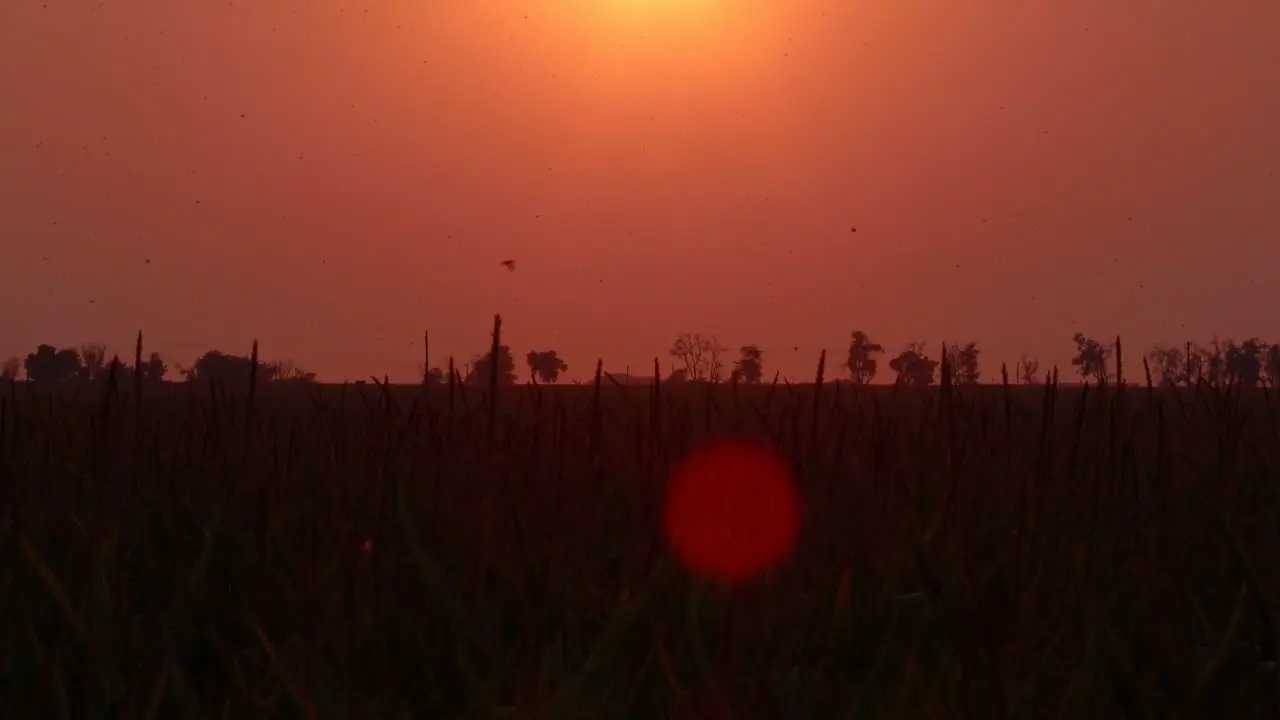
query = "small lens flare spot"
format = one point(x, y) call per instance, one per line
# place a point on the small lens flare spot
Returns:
point(731, 510)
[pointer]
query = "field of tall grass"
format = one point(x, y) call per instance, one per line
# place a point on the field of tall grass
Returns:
point(298, 550)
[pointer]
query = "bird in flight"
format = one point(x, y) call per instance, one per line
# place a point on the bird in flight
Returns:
point(510, 264)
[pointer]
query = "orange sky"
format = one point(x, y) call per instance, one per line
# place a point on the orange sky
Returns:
point(334, 179)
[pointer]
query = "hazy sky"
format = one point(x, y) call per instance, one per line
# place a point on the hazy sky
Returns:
point(334, 178)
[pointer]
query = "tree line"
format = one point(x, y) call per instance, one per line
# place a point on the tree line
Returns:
point(703, 358)
point(88, 363)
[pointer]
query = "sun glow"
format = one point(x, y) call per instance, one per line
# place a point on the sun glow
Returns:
point(641, 16)
point(651, 8)
point(661, 60)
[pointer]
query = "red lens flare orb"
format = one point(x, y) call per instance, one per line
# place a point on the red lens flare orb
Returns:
point(732, 510)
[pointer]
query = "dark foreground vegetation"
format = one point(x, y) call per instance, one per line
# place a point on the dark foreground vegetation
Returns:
point(299, 550)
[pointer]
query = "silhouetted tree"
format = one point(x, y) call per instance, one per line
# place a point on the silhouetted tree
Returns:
point(229, 369)
point(1193, 363)
point(1091, 358)
point(1273, 366)
point(153, 369)
point(963, 362)
point(1028, 369)
point(1169, 363)
point(749, 367)
point(279, 369)
point(10, 369)
point(862, 362)
point(49, 365)
point(1242, 362)
point(1210, 362)
point(677, 376)
point(478, 373)
point(432, 376)
point(546, 366)
point(913, 366)
point(702, 357)
point(284, 369)
point(93, 361)
point(299, 375)
point(715, 363)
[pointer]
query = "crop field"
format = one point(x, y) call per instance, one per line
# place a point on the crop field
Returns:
point(302, 550)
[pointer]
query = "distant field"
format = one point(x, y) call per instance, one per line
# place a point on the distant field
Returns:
point(365, 552)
